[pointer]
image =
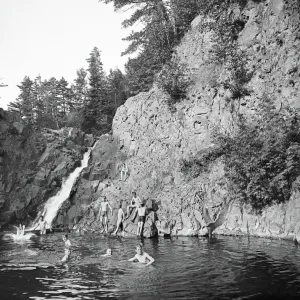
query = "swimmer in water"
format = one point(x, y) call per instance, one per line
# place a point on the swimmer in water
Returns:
point(67, 248)
point(142, 256)
point(42, 223)
point(108, 252)
point(22, 229)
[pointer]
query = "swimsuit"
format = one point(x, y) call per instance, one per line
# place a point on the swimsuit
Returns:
point(142, 214)
point(142, 219)
point(104, 213)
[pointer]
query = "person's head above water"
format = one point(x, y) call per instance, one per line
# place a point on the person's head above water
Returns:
point(139, 249)
point(42, 218)
point(108, 252)
point(65, 237)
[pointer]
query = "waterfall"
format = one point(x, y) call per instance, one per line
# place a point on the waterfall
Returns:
point(54, 203)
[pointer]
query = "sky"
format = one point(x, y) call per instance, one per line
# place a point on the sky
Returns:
point(54, 38)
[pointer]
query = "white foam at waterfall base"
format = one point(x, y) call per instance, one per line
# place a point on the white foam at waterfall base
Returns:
point(54, 203)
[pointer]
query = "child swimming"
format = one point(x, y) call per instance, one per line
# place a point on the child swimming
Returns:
point(67, 248)
point(43, 225)
point(108, 252)
point(142, 256)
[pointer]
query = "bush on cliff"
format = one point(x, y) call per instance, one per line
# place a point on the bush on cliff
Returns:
point(262, 157)
point(262, 160)
point(174, 79)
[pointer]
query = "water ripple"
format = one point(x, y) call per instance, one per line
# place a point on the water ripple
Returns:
point(184, 268)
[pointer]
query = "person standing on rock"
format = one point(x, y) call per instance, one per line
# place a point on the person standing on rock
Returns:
point(135, 203)
point(103, 212)
point(141, 219)
point(124, 170)
point(120, 219)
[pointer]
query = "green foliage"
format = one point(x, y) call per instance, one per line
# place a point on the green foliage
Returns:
point(95, 109)
point(262, 159)
point(140, 73)
point(79, 89)
point(117, 92)
point(90, 103)
point(225, 51)
point(163, 24)
point(239, 75)
point(200, 163)
point(174, 79)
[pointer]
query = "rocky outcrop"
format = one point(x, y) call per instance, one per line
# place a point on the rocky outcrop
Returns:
point(33, 165)
point(153, 141)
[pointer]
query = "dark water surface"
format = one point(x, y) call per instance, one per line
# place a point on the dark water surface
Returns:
point(184, 268)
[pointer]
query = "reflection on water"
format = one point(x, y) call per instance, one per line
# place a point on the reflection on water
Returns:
point(184, 268)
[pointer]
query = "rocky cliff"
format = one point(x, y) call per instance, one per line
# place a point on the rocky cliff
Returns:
point(153, 141)
point(33, 165)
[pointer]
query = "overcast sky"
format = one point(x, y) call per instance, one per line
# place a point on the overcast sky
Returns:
point(54, 38)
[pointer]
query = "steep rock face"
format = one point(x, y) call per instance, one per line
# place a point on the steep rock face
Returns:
point(101, 178)
point(153, 141)
point(32, 165)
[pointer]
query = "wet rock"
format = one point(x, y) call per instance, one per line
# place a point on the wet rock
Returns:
point(34, 165)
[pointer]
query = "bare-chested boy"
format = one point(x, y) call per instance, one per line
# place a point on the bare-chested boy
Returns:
point(141, 219)
point(142, 256)
point(43, 225)
point(120, 219)
point(103, 212)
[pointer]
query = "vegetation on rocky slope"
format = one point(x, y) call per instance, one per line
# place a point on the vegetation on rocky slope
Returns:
point(261, 158)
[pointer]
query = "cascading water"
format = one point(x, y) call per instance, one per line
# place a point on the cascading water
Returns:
point(54, 203)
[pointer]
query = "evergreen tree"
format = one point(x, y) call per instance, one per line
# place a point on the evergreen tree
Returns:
point(38, 95)
point(164, 22)
point(79, 90)
point(51, 101)
point(64, 98)
point(96, 110)
point(25, 101)
point(117, 91)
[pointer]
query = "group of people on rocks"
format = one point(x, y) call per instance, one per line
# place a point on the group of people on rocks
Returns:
point(140, 256)
point(135, 204)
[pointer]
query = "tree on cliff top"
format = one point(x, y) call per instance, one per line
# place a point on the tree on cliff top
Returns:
point(163, 23)
point(97, 107)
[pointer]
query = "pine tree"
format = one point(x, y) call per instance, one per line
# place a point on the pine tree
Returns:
point(117, 91)
point(64, 98)
point(96, 109)
point(25, 101)
point(79, 90)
